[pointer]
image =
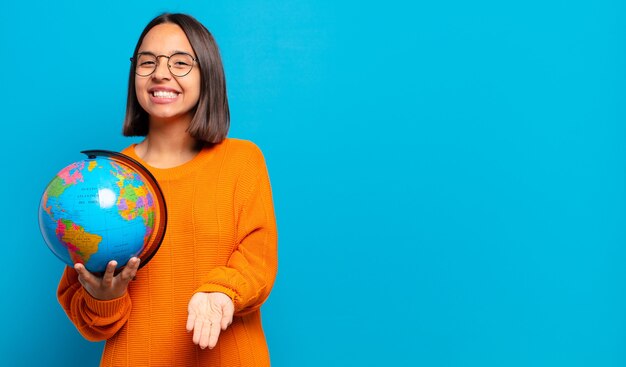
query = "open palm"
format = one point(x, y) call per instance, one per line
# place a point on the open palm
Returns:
point(209, 314)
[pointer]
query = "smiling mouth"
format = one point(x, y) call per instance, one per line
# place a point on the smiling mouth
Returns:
point(164, 94)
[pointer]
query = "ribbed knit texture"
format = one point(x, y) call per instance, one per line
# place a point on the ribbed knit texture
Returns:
point(221, 236)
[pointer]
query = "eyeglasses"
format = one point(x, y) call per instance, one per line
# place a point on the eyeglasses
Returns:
point(179, 63)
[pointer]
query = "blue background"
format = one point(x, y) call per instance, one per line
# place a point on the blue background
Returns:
point(448, 176)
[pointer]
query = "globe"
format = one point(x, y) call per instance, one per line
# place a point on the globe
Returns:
point(105, 207)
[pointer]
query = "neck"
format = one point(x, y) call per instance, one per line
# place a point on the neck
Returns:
point(168, 145)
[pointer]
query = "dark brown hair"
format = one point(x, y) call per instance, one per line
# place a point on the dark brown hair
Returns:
point(211, 120)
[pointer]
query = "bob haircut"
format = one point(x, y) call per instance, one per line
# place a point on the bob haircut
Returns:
point(211, 119)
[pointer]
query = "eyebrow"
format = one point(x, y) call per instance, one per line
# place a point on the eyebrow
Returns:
point(171, 53)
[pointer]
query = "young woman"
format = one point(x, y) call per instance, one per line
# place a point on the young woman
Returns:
point(217, 263)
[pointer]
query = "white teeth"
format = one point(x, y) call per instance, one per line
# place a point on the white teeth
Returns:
point(164, 94)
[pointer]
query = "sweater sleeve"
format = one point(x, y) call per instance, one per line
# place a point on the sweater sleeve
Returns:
point(96, 320)
point(251, 269)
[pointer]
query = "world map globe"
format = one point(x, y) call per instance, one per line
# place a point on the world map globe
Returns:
point(105, 207)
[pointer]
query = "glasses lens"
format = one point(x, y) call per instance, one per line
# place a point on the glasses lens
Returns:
point(145, 64)
point(180, 64)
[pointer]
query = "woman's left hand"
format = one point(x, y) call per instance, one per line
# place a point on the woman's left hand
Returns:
point(209, 314)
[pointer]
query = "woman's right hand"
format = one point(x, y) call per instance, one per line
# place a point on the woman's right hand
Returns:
point(109, 286)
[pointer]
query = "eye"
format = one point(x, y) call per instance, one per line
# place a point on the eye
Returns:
point(181, 61)
point(146, 60)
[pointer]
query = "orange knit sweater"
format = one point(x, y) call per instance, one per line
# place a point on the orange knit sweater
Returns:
point(220, 237)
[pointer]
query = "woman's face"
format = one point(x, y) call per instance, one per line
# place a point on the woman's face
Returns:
point(163, 96)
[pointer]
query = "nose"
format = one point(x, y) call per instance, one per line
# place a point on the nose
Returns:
point(162, 71)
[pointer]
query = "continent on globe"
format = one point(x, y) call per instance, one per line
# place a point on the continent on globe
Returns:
point(67, 177)
point(80, 243)
point(134, 200)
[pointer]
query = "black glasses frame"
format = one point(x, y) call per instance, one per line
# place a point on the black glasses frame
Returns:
point(133, 60)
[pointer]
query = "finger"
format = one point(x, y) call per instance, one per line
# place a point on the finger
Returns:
point(224, 323)
point(83, 282)
point(84, 276)
point(197, 332)
point(130, 270)
point(191, 320)
point(206, 336)
point(214, 334)
point(107, 279)
point(227, 316)
point(133, 263)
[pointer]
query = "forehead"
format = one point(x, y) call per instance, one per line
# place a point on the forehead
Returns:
point(165, 38)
